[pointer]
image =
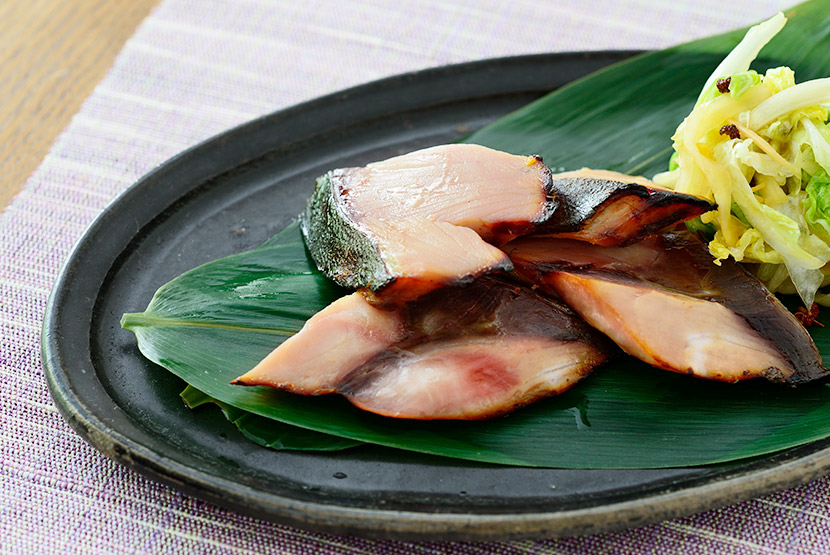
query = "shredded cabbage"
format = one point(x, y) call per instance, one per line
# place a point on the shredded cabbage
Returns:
point(817, 211)
point(759, 147)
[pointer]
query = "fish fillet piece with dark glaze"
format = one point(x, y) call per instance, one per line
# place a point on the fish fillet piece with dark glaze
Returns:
point(392, 226)
point(664, 301)
point(612, 209)
point(465, 353)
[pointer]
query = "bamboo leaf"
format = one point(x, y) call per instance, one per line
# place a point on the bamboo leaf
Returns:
point(266, 431)
point(627, 415)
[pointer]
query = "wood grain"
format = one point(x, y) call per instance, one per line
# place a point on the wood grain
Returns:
point(52, 54)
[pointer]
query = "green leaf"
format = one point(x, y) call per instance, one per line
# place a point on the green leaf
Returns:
point(266, 431)
point(627, 415)
point(696, 226)
point(215, 322)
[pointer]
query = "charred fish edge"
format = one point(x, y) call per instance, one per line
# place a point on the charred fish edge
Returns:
point(569, 216)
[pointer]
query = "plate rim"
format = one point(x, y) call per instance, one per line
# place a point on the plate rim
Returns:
point(379, 523)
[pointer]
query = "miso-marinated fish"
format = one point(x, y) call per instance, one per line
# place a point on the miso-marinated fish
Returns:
point(664, 301)
point(424, 219)
point(435, 217)
point(457, 353)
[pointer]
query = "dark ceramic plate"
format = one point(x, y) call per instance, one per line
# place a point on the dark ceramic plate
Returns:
point(230, 194)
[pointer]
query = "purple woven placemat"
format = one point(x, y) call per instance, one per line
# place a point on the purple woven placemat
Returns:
point(193, 69)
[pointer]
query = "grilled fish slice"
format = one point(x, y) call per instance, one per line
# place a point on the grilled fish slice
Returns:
point(664, 301)
point(424, 255)
point(468, 378)
point(442, 203)
point(434, 217)
point(457, 353)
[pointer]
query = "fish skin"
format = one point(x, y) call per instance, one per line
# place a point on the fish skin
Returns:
point(611, 209)
point(465, 353)
point(647, 293)
point(339, 248)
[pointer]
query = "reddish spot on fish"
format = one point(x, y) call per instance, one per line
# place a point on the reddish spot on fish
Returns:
point(486, 375)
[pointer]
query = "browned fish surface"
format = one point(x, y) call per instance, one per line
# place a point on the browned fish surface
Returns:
point(458, 353)
point(612, 209)
point(664, 301)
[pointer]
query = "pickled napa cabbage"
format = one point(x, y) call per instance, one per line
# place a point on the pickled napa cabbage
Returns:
point(758, 145)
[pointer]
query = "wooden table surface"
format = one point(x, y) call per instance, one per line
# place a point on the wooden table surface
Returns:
point(52, 54)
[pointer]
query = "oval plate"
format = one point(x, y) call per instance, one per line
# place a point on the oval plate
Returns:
point(234, 191)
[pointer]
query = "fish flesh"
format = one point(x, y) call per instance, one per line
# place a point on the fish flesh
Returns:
point(402, 227)
point(342, 336)
point(468, 378)
point(664, 301)
point(422, 220)
point(468, 352)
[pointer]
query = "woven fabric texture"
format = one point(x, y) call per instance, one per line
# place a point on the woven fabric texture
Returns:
point(195, 68)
